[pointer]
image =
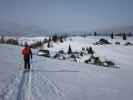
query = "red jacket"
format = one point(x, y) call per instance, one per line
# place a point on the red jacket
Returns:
point(27, 52)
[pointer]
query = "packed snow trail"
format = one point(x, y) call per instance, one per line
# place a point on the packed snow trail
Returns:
point(29, 87)
point(24, 92)
point(46, 90)
point(20, 88)
point(31, 82)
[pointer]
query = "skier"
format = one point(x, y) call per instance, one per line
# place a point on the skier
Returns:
point(27, 54)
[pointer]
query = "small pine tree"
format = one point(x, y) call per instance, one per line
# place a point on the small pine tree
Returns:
point(61, 39)
point(95, 33)
point(48, 45)
point(130, 34)
point(12, 41)
point(55, 38)
point(2, 39)
point(90, 50)
point(124, 37)
point(69, 50)
point(112, 35)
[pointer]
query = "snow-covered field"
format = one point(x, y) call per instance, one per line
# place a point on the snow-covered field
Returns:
point(52, 79)
point(121, 55)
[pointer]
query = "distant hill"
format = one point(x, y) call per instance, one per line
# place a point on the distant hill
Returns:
point(117, 29)
point(13, 29)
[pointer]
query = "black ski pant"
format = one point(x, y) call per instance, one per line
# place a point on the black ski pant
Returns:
point(27, 62)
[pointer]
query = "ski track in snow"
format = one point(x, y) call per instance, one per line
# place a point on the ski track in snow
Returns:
point(10, 89)
point(25, 86)
point(50, 91)
point(19, 88)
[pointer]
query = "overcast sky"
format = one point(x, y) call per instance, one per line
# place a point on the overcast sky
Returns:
point(68, 15)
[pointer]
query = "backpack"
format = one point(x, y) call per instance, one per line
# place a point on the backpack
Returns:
point(26, 51)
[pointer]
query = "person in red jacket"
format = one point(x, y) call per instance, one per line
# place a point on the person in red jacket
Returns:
point(27, 55)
